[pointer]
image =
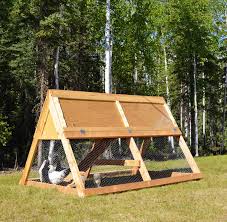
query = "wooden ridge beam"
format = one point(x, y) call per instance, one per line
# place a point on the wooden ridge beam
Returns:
point(79, 95)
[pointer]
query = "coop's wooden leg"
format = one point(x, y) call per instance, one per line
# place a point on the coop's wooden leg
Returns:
point(137, 156)
point(37, 135)
point(73, 166)
point(29, 161)
point(60, 124)
point(145, 144)
point(188, 155)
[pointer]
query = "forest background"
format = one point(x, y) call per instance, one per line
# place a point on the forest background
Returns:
point(171, 48)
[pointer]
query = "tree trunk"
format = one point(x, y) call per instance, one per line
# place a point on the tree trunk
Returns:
point(56, 65)
point(224, 108)
point(204, 114)
point(42, 75)
point(170, 138)
point(108, 62)
point(108, 51)
point(190, 123)
point(195, 110)
point(135, 74)
point(181, 106)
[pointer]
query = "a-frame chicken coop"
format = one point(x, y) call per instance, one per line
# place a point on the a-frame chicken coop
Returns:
point(94, 143)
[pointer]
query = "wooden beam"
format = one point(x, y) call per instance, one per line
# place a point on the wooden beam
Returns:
point(177, 174)
point(64, 189)
point(188, 155)
point(37, 135)
point(145, 144)
point(184, 146)
point(134, 163)
point(79, 95)
point(60, 123)
point(120, 187)
point(113, 173)
point(122, 114)
point(99, 148)
point(170, 115)
point(133, 147)
point(137, 156)
point(29, 161)
point(87, 172)
point(115, 132)
point(141, 185)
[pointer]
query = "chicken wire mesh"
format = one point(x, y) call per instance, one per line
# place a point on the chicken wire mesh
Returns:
point(50, 164)
point(102, 162)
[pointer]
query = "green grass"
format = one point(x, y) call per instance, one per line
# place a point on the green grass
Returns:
point(204, 200)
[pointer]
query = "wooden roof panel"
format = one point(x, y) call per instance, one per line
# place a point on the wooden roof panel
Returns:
point(153, 116)
point(83, 113)
point(97, 115)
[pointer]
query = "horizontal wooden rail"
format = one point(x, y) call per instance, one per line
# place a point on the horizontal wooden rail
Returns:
point(118, 162)
point(67, 94)
point(64, 189)
point(113, 173)
point(141, 185)
point(121, 187)
point(116, 132)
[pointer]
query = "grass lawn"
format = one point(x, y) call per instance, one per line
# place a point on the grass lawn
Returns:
point(204, 200)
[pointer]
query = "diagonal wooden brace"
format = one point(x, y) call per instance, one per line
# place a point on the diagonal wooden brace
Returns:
point(99, 147)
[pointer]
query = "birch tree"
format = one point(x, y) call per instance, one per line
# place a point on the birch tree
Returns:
point(108, 50)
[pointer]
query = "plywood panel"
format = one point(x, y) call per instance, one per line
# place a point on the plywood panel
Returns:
point(49, 131)
point(82, 113)
point(153, 116)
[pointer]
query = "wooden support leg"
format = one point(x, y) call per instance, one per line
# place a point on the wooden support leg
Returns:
point(73, 167)
point(188, 155)
point(38, 132)
point(29, 161)
point(60, 124)
point(145, 144)
point(137, 156)
point(99, 147)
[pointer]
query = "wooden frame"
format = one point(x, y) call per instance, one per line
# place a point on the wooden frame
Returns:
point(55, 124)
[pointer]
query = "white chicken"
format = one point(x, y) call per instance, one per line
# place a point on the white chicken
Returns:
point(57, 177)
point(43, 172)
point(97, 179)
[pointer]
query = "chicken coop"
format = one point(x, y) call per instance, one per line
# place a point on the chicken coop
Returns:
point(94, 143)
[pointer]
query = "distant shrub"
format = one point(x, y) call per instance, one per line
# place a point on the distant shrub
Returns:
point(5, 131)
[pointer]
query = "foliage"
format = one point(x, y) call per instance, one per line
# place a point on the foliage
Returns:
point(31, 31)
point(5, 131)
